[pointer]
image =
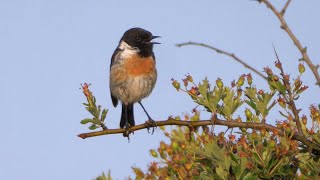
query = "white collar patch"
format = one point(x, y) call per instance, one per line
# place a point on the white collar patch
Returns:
point(124, 46)
point(127, 50)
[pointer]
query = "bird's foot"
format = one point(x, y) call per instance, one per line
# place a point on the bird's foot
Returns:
point(127, 131)
point(151, 124)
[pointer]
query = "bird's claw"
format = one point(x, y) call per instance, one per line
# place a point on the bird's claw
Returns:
point(127, 131)
point(151, 123)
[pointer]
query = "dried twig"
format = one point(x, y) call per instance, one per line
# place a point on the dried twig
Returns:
point(224, 53)
point(286, 28)
point(284, 9)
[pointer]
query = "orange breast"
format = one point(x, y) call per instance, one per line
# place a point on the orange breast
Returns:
point(137, 66)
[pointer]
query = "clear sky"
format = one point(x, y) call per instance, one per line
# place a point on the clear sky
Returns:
point(48, 48)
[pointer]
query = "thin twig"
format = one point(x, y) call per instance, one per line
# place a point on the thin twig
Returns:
point(232, 55)
point(284, 9)
point(290, 101)
point(286, 28)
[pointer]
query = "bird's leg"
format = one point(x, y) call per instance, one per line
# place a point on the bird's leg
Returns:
point(150, 122)
point(126, 133)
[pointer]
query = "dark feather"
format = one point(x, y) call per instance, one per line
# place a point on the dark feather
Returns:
point(114, 99)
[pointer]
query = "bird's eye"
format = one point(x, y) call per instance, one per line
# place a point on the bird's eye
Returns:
point(138, 38)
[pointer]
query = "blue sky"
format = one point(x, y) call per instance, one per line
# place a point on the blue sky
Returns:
point(48, 48)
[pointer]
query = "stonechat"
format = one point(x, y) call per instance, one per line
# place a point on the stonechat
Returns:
point(133, 73)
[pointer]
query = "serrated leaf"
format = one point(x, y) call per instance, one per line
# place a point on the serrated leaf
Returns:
point(251, 103)
point(236, 104)
point(251, 93)
point(231, 104)
point(203, 88)
point(279, 86)
point(263, 107)
point(227, 108)
point(214, 97)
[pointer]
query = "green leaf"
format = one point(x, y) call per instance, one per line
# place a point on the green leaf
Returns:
point(104, 114)
point(251, 93)
point(94, 100)
point(228, 103)
point(203, 88)
point(263, 105)
point(250, 176)
point(278, 85)
point(251, 104)
point(85, 121)
point(93, 127)
point(316, 137)
point(222, 172)
point(92, 110)
point(243, 164)
point(214, 97)
point(96, 121)
point(231, 104)
point(233, 158)
point(259, 102)
point(97, 112)
point(104, 177)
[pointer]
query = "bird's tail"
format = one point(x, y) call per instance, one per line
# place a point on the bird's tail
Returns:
point(127, 115)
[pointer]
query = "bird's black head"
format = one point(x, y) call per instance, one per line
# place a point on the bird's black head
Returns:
point(141, 39)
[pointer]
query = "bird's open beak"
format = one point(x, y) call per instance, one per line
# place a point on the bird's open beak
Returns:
point(154, 37)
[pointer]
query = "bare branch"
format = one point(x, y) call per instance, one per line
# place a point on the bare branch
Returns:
point(170, 121)
point(224, 53)
point(284, 9)
point(216, 121)
point(286, 28)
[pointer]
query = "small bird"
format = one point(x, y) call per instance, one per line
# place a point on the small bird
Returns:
point(133, 74)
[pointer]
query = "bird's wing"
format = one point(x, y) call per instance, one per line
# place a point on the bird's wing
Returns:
point(113, 59)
